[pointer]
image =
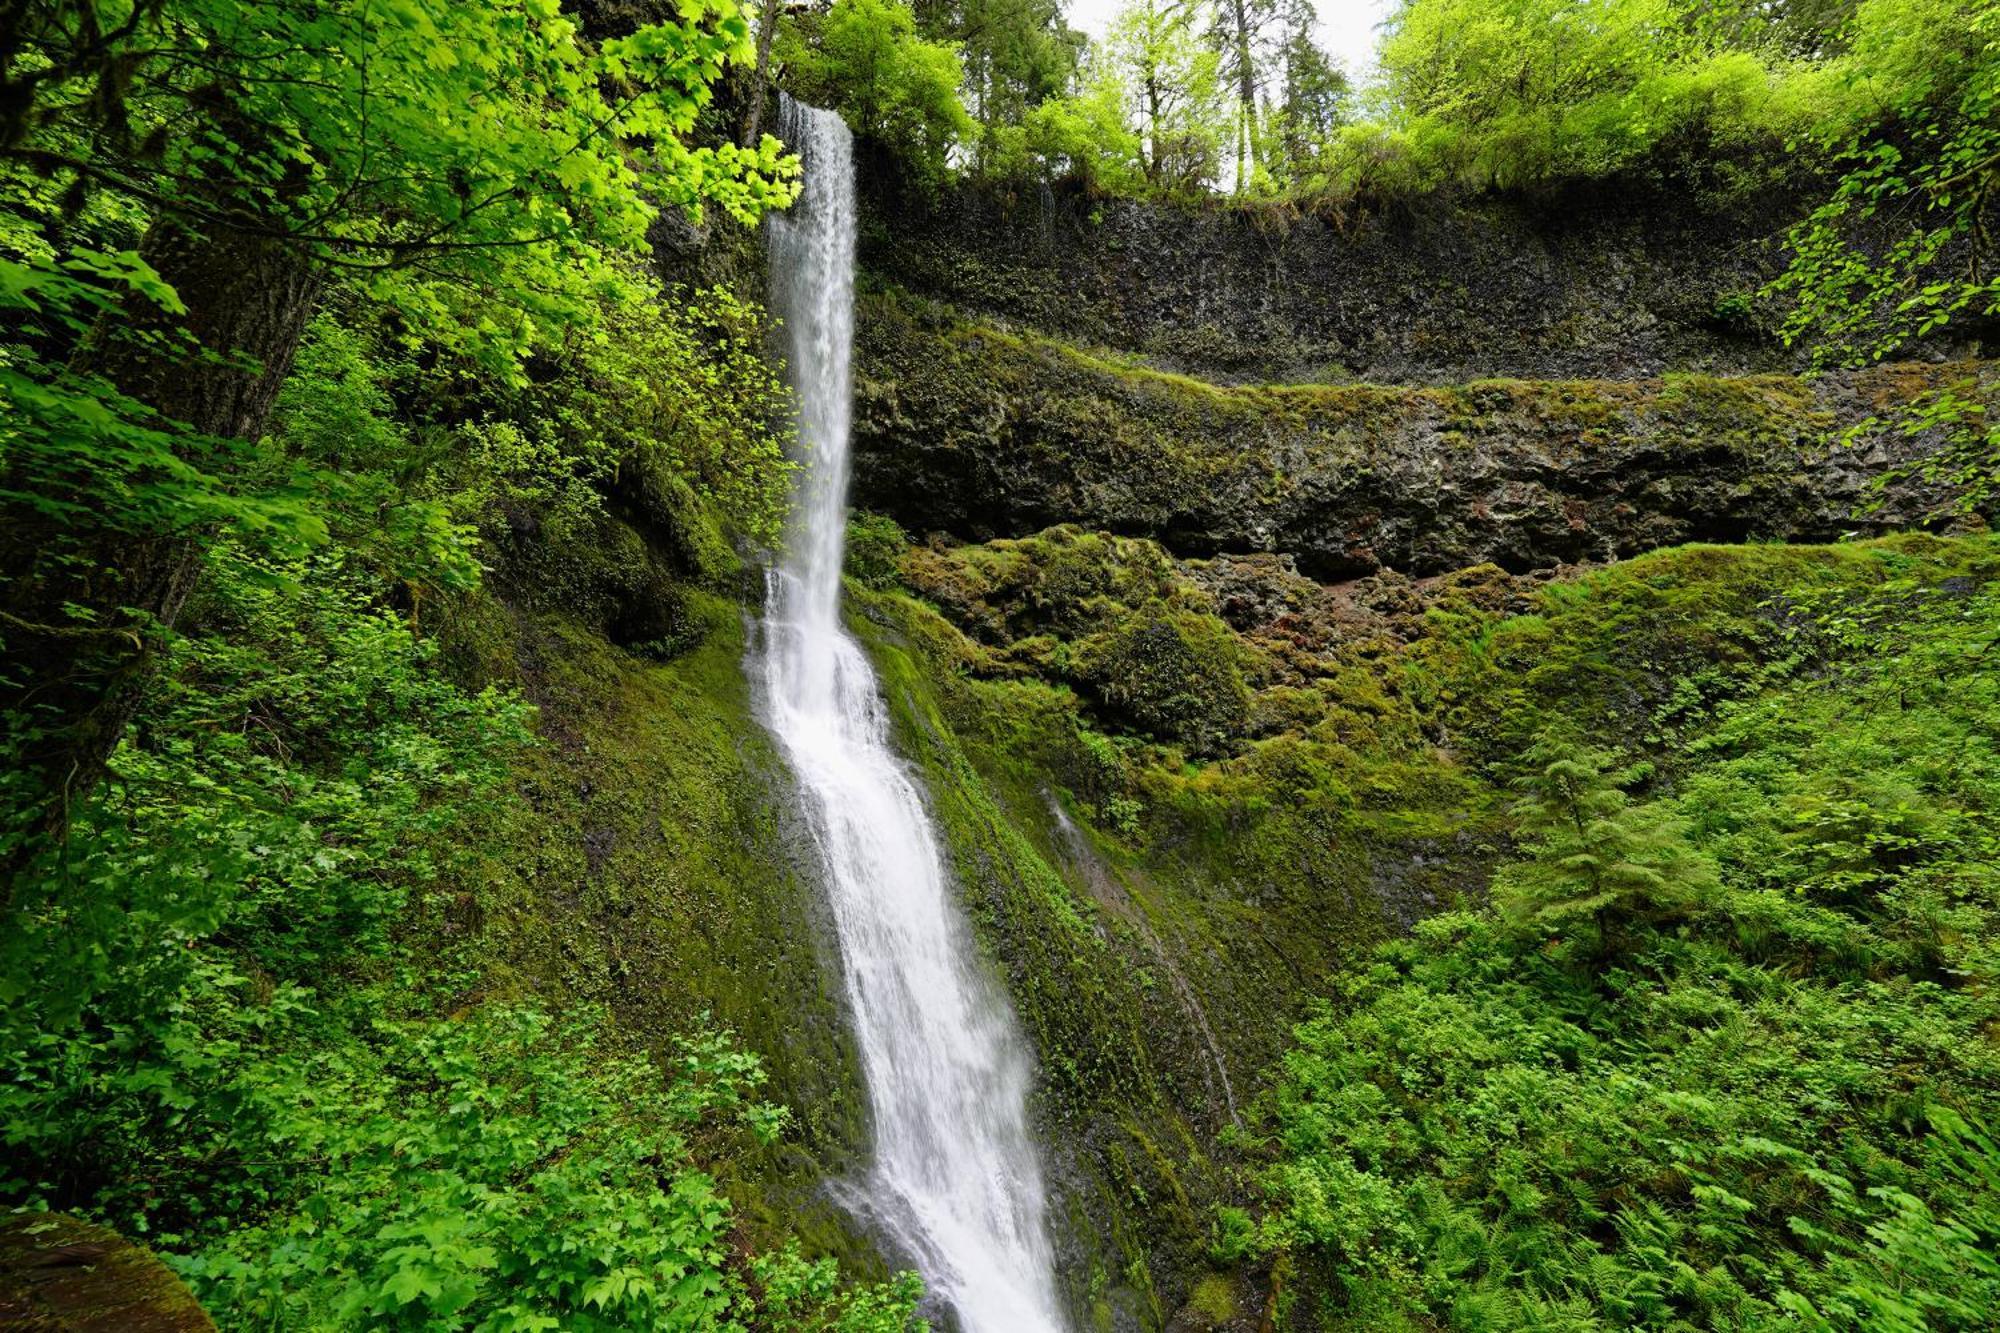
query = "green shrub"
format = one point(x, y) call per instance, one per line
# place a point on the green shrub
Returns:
point(500, 1171)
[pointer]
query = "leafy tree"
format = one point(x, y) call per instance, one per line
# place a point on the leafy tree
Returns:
point(1516, 92)
point(1902, 250)
point(1172, 83)
point(1791, 29)
point(1316, 102)
point(1018, 54)
point(459, 160)
point(1086, 134)
point(864, 59)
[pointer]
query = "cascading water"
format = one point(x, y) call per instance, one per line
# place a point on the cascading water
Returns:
point(955, 1181)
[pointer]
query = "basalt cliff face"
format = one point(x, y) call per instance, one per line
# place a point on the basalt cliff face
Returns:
point(1526, 384)
point(1601, 282)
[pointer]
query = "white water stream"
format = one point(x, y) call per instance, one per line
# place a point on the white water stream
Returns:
point(954, 1181)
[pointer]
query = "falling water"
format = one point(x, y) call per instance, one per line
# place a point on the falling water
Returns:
point(954, 1181)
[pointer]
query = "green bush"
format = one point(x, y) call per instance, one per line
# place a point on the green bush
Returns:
point(500, 1171)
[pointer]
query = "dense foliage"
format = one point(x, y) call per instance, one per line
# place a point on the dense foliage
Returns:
point(1719, 1053)
point(1185, 98)
point(864, 59)
point(1903, 249)
point(315, 317)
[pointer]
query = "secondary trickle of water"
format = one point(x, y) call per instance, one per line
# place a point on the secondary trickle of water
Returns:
point(955, 1180)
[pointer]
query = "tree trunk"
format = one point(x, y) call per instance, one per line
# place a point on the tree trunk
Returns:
point(760, 77)
point(74, 683)
point(1154, 157)
point(1246, 94)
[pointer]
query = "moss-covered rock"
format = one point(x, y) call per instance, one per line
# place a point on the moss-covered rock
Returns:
point(1176, 678)
point(875, 547)
point(651, 860)
point(61, 1274)
point(982, 432)
point(1150, 918)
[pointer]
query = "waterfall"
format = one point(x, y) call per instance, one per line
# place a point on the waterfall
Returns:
point(954, 1180)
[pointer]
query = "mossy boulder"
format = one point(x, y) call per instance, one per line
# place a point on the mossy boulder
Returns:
point(61, 1274)
point(1175, 677)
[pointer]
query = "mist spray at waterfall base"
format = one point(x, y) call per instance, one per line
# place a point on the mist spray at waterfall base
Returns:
point(954, 1180)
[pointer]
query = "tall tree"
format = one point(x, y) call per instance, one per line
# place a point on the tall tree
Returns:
point(1018, 54)
point(1316, 97)
point(1173, 81)
point(1240, 26)
point(760, 75)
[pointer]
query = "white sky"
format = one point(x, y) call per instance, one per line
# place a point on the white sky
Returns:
point(1346, 27)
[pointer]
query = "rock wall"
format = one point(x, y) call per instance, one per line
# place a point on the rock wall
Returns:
point(981, 433)
point(1596, 282)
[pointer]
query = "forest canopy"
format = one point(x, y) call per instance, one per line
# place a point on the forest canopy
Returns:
point(1188, 97)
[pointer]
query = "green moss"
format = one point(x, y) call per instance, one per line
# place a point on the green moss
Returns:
point(875, 547)
point(1649, 648)
point(649, 860)
point(1175, 677)
point(1214, 1299)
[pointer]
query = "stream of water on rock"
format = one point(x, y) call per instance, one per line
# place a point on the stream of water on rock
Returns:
point(954, 1180)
